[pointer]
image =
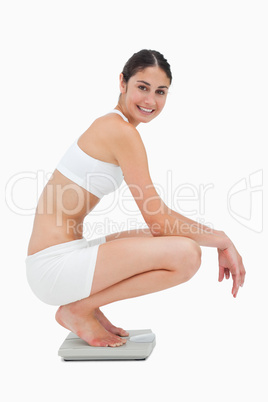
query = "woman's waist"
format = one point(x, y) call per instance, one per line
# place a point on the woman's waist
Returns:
point(46, 233)
point(56, 249)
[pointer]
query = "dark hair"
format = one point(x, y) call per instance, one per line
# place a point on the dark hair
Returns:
point(143, 59)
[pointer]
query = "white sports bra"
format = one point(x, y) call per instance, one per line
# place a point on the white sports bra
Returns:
point(96, 176)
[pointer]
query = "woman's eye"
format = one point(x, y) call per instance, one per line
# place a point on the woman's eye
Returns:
point(143, 88)
point(160, 92)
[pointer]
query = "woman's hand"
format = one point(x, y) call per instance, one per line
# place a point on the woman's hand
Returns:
point(231, 261)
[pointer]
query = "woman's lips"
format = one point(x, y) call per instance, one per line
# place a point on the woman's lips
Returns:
point(145, 110)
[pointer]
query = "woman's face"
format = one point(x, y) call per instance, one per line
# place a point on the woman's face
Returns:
point(145, 94)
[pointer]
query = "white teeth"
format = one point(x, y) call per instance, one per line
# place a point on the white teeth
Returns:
point(146, 110)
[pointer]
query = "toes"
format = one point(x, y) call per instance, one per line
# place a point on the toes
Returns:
point(122, 332)
point(107, 342)
point(119, 331)
point(114, 342)
point(115, 345)
point(99, 343)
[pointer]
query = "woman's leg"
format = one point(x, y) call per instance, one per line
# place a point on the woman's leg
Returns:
point(145, 232)
point(129, 233)
point(126, 268)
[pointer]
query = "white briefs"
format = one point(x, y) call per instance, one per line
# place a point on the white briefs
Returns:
point(63, 273)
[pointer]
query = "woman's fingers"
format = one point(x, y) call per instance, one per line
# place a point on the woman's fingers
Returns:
point(227, 273)
point(221, 273)
point(239, 278)
point(236, 283)
point(230, 263)
point(243, 274)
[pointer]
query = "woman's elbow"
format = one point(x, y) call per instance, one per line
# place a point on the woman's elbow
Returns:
point(157, 227)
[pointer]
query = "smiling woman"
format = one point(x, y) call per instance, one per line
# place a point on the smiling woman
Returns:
point(136, 71)
point(65, 269)
point(144, 102)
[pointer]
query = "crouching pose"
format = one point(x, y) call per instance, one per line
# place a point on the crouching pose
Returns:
point(80, 276)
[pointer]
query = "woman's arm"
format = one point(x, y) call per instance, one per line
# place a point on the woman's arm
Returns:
point(230, 261)
point(130, 153)
point(175, 224)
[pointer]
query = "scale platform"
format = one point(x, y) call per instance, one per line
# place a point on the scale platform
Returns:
point(140, 344)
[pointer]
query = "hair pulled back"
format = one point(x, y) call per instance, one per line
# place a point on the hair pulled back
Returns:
point(143, 59)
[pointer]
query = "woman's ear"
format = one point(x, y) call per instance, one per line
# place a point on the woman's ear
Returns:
point(122, 84)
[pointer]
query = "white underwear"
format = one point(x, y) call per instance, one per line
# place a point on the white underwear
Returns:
point(63, 273)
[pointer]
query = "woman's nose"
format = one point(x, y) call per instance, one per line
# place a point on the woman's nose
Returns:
point(150, 99)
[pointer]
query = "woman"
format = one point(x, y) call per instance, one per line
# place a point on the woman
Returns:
point(80, 276)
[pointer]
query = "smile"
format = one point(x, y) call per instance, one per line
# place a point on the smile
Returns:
point(145, 111)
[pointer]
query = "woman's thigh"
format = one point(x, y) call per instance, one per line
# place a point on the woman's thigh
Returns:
point(123, 258)
point(129, 233)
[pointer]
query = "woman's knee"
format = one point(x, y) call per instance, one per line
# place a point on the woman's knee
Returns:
point(188, 258)
point(195, 255)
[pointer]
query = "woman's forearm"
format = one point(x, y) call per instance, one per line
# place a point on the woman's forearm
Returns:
point(175, 224)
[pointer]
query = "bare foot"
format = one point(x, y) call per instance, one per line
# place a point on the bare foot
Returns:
point(108, 325)
point(87, 327)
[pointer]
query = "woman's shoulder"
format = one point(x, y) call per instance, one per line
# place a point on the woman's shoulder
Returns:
point(110, 121)
point(112, 126)
point(106, 135)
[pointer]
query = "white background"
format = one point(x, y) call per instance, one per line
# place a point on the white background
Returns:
point(60, 62)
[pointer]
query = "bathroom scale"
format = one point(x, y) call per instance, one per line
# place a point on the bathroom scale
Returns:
point(140, 344)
